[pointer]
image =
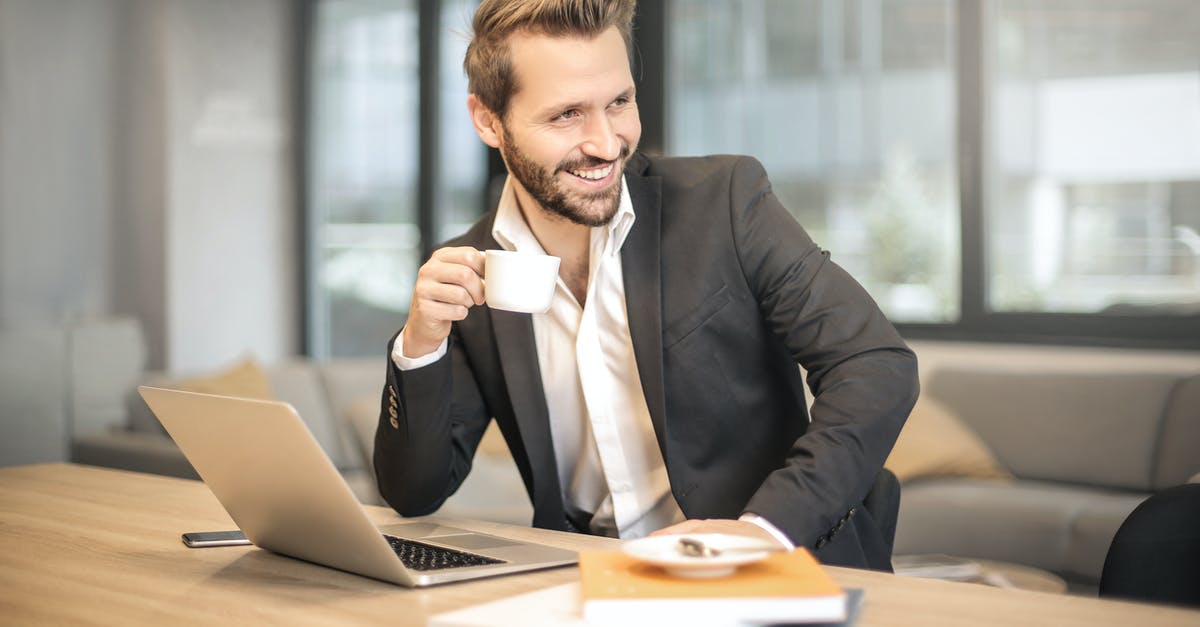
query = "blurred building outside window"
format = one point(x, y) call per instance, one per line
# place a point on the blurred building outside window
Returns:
point(1090, 151)
point(851, 108)
point(1094, 128)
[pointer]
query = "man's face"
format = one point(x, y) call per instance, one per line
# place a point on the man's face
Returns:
point(571, 125)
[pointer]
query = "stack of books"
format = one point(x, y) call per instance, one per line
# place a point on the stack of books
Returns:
point(616, 589)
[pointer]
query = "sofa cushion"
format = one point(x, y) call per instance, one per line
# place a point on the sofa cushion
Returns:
point(1061, 528)
point(1094, 428)
point(139, 452)
point(347, 381)
point(244, 378)
point(296, 382)
point(361, 418)
point(299, 383)
point(1093, 529)
point(33, 383)
point(935, 442)
point(106, 358)
point(1179, 438)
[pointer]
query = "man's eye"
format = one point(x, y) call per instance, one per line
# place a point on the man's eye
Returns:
point(620, 102)
point(566, 115)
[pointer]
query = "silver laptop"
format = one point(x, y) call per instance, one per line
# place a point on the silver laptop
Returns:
point(278, 485)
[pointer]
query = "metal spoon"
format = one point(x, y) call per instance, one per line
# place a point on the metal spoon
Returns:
point(695, 547)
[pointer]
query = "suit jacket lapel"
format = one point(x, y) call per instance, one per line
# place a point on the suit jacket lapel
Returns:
point(523, 380)
point(641, 258)
point(517, 350)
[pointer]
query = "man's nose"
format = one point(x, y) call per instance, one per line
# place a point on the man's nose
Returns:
point(600, 139)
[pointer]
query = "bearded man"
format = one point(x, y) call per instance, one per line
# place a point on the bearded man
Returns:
point(660, 393)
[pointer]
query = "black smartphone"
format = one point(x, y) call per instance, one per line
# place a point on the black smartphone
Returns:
point(199, 539)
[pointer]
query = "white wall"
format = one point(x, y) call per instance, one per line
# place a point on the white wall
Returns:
point(56, 141)
point(145, 169)
point(231, 227)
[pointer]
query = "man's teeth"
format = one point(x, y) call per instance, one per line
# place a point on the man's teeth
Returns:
point(593, 175)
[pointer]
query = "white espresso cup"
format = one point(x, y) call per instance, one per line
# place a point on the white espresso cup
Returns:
point(521, 282)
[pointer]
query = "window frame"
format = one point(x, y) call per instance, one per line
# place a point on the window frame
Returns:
point(975, 322)
point(651, 30)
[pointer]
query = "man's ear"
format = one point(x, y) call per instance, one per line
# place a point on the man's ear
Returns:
point(487, 123)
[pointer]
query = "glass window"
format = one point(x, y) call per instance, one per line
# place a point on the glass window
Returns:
point(1094, 144)
point(854, 122)
point(363, 175)
point(462, 156)
point(364, 239)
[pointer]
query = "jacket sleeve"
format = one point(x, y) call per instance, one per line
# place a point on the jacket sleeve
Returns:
point(431, 421)
point(862, 375)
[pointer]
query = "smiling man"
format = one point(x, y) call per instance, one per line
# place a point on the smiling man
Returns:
point(660, 392)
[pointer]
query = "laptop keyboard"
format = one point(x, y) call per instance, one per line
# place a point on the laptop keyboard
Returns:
point(421, 556)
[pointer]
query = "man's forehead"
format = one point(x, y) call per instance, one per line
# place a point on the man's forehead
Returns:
point(547, 66)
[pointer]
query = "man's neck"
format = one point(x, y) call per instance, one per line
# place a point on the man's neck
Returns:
point(561, 238)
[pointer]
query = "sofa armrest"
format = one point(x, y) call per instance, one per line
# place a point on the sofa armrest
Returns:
point(127, 450)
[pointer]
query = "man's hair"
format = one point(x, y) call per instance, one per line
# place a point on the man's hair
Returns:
point(488, 62)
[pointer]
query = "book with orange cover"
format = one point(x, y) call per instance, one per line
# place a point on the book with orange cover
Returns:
point(786, 587)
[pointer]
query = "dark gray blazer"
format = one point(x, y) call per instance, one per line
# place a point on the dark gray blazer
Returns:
point(725, 293)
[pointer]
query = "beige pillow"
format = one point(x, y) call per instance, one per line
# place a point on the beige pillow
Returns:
point(363, 416)
point(936, 443)
point(246, 379)
point(493, 444)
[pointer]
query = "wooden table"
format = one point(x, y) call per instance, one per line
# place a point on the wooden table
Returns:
point(84, 545)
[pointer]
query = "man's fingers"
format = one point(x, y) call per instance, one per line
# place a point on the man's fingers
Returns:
point(447, 286)
point(447, 293)
point(462, 267)
point(718, 525)
point(444, 312)
point(462, 255)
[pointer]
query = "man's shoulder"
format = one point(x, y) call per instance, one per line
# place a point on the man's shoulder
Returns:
point(478, 236)
point(691, 170)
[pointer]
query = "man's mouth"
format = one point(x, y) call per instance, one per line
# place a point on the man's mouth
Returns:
point(594, 174)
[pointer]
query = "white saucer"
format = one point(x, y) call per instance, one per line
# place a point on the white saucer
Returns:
point(663, 551)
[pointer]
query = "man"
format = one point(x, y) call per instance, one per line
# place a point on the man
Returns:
point(661, 391)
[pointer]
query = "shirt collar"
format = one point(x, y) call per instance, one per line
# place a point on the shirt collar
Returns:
point(512, 232)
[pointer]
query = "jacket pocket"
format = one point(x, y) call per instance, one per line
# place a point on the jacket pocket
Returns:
point(681, 328)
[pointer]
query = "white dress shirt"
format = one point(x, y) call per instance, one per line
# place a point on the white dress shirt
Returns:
point(609, 463)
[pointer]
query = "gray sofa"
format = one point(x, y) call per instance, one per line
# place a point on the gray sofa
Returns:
point(1086, 433)
point(323, 393)
point(68, 392)
point(339, 401)
point(1086, 439)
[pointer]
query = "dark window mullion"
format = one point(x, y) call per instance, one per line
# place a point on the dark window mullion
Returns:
point(302, 96)
point(972, 155)
point(650, 34)
point(429, 35)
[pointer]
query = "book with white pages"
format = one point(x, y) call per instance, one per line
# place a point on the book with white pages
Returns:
point(562, 606)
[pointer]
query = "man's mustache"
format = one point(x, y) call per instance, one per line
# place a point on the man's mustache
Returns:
point(591, 162)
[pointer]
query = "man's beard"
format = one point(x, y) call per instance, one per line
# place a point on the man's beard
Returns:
point(551, 195)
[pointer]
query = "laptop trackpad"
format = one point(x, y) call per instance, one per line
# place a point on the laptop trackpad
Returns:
point(474, 541)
